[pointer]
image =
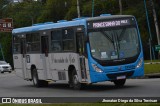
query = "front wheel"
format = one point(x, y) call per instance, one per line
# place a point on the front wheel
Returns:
point(119, 83)
point(75, 82)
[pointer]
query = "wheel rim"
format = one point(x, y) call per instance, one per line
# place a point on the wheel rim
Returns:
point(75, 80)
point(34, 79)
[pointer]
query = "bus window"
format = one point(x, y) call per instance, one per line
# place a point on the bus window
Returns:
point(33, 42)
point(23, 47)
point(68, 40)
point(44, 45)
point(56, 37)
point(16, 42)
point(80, 43)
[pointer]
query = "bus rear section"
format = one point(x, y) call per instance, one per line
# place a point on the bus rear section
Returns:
point(114, 49)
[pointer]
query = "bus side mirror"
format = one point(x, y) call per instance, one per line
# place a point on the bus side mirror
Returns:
point(86, 39)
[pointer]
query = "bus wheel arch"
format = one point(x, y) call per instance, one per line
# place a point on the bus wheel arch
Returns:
point(32, 68)
point(35, 78)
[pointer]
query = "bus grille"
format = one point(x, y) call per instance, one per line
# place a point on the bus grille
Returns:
point(115, 75)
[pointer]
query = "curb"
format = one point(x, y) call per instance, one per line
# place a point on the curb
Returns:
point(152, 63)
point(154, 75)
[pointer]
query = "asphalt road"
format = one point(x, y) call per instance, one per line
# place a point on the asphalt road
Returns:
point(13, 86)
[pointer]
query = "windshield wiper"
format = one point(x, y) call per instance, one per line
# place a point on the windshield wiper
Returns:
point(122, 34)
point(107, 36)
point(118, 38)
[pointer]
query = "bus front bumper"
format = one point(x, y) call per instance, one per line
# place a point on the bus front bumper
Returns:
point(110, 76)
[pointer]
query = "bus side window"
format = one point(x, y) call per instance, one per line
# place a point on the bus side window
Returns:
point(56, 37)
point(17, 46)
point(68, 40)
point(44, 44)
point(33, 42)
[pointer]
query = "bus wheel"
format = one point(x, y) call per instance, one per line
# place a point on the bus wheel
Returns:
point(119, 83)
point(75, 82)
point(35, 79)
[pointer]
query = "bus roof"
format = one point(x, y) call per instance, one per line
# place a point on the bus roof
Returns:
point(45, 26)
point(60, 24)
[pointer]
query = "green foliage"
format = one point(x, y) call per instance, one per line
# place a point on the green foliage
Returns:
point(6, 45)
point(72, 13)
point(30, 12)
point(54, 10)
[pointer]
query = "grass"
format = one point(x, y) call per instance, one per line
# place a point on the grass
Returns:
point(151, 68)
point(87, 104)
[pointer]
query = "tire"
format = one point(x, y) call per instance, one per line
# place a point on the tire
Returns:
point(75, 82)
point(119, 83)
point(36, 81)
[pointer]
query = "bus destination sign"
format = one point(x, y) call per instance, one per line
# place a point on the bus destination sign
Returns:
point(109, 23)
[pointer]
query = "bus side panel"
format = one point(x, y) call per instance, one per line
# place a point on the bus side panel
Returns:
point(18, 67)
point(60, 62)
point(36, 60)
point(139, 72)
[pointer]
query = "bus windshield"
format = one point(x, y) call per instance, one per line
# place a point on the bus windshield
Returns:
point(114, 44)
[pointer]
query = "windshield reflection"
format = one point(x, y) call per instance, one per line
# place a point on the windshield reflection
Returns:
point(114, 44)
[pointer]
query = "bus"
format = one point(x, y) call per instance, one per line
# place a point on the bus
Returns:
point(79, 52)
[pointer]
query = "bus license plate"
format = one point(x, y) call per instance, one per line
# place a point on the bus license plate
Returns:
point(121, 77)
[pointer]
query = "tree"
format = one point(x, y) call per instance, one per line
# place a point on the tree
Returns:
point(54, 10)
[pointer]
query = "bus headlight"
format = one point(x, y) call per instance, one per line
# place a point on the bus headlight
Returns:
point(96, 68)
point(140, 63)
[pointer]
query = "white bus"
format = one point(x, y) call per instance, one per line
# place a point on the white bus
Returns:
point(81, 51)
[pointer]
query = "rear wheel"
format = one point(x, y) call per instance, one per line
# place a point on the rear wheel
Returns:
point(119, 83)
point(36, 81)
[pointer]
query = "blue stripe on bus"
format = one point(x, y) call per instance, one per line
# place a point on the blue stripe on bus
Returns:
point(50, 26)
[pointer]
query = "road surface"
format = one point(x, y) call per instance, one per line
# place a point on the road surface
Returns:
point(14, 86)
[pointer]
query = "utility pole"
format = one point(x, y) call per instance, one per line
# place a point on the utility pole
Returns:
point(149, 29)
point(156, 24)
point(120, 6)
point(155, 21)
point(92, 8)
point(78, 9)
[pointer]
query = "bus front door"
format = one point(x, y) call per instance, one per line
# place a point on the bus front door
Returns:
point(80, 50)
point(44, 56)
